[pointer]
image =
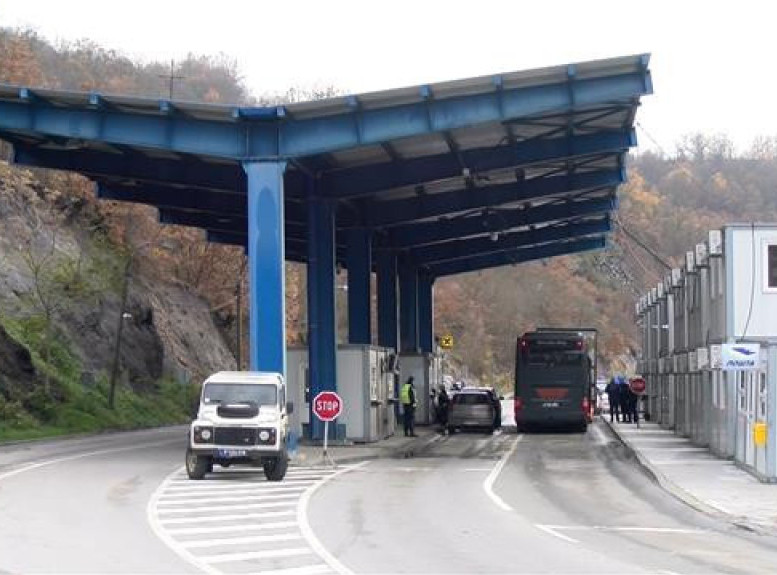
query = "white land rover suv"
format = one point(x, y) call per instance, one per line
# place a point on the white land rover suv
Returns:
point(243, 418)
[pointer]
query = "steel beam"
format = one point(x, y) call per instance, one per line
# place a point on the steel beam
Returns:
point(387, 299)
point(463, 249)
point(266, 266)
point(359, 257)
point(322, 326)
point(408, 309)
point(396, 212)
point(413, 235)
point(365, 180)
point(426, 312)
point(270, 134)
point(515, 257)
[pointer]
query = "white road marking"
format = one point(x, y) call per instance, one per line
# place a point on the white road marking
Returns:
point(307, 532)
point(241, 540)
point(475, 469)
point(183, 494)
point(236, 499)
point(488, 484)
point(211, 508)
point(232, 517)
point(48, 462)
point(268, 554)
point(551, 531)
point(258, 520)
point(305, 570)
point(231, 528)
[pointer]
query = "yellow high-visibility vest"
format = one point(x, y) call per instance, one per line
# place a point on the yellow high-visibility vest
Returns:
point(404, 394)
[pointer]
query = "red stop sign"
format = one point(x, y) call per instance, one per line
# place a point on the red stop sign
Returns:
point(637, 385)
point(327, 406)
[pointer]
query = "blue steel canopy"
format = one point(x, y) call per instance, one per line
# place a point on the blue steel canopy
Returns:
point(454, 176)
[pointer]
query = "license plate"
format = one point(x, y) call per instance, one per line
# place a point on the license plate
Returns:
point(227, 453)
point(550, 404)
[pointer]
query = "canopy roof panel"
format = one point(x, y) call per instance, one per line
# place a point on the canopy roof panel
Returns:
point(433, 170)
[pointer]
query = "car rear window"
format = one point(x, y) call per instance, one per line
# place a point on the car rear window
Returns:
point(470, 398)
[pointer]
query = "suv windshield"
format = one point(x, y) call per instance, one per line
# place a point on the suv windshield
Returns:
point(259, 394)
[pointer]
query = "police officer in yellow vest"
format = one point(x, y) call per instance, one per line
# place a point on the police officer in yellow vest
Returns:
point(407, 399)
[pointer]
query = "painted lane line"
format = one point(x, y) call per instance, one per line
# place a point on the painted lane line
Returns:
point(232, 528)
point(551, 531)
point(241, 540)
point(48, 462)
point(211, 508)
point(180, 496)
point(237, 499)
point(317, 569)
point(600, 437)
point(475, 469)
point(307, 531)
point(488, 484)
point(269, 554)
point(167, 539)
point(232, 517)
point(244, 487)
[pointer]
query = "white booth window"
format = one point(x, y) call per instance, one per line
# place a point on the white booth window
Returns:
point(770, 266)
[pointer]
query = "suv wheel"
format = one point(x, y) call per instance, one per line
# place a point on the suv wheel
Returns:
point(197, 465)
point(275, 468)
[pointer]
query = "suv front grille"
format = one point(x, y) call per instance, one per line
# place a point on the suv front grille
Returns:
point(236, 436)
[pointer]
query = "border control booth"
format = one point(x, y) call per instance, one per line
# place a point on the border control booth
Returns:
point(410, 185)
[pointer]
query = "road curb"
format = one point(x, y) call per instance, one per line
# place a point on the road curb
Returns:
point(684, 496)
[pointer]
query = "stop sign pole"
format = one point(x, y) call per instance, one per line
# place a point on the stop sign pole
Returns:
point(327, 406)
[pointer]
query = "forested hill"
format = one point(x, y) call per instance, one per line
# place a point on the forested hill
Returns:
point(669, 203)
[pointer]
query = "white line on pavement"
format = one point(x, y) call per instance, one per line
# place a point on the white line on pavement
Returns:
point(307, 531)
point(230, 486)
point(551, 531)
point(304, 570)
point(210, 508)
point(600, 438)
point(237, 499)
point(231, 528)
point(48, 462)
point(184, 493)
point(488, 484)
point(269, 554)
point(231, 517)
point(241, 540)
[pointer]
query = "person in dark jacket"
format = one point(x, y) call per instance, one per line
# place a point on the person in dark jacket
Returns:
point(613, 395)
point(443, 402)
point(624, 394)
point(407, 399)
point(633, 404)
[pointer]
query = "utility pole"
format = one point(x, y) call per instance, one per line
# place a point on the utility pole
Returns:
point(119, 331)
point(171, 78)
point(239, 322)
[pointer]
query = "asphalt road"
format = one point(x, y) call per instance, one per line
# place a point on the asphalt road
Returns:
point(554, 503)
point(464, 503)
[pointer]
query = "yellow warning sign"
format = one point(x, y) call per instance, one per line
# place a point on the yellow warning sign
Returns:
point(446, 342)
point(759, 433)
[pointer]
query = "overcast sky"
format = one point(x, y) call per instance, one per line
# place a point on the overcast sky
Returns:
point(712, 62)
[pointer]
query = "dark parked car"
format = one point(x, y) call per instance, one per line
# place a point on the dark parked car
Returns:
point(475, 407)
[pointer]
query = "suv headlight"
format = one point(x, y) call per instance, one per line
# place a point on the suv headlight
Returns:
point(203, 434)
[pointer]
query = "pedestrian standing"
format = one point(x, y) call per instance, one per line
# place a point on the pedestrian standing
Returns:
point(407, 399)
point(633, 406)
point(443, 401)
point(624, 395)
point(614, 399)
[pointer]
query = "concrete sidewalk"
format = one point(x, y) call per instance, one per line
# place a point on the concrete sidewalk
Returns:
point(396, 446)
point(705, 482)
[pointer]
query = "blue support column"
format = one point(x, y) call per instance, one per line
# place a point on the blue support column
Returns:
point(388, 335)
point(426, 313)
point(359, 261)
point(322, 335)
point(408, 309)
point(266, 266)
